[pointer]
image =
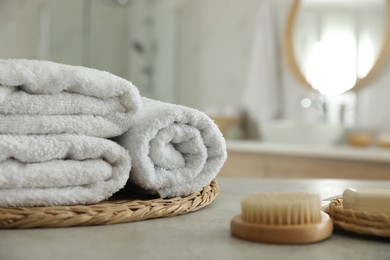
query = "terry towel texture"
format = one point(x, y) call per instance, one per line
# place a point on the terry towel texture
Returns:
point(53, 121)
point(51, 118)
point(42, 97)
point(175, 150)
point(60, 169)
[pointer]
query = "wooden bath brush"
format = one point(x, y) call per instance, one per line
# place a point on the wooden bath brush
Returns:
point(282, 218)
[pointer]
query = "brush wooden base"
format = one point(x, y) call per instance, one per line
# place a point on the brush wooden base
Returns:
point(277, 234)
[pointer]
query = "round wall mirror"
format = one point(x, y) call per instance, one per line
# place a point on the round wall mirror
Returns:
point(337, 46)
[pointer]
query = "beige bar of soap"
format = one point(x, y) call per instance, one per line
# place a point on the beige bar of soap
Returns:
point(370, 200)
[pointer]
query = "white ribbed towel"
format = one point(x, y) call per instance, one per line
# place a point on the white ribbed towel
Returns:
point(60, 169)
point(175, 150)
point(42, 97)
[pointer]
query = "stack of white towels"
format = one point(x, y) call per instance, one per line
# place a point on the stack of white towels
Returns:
point(55, 121)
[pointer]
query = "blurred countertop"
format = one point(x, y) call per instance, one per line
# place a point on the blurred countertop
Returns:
point(372, 153)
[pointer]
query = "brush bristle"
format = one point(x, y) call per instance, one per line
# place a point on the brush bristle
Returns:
point(281, 208)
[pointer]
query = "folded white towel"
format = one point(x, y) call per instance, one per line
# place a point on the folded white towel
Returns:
point(175, 150)
point(42, 97)
point(60, 169)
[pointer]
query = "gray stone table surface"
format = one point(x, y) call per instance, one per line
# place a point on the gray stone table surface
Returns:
point(204, 234)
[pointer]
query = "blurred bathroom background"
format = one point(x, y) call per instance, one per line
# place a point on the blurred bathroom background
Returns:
point(228, 58)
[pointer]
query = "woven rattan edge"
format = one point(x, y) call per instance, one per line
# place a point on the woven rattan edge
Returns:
point(359, 222)
point(113, 211)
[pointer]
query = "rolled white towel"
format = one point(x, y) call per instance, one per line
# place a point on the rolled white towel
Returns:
point(60, 169)
point(42, 97)
point(175, 150)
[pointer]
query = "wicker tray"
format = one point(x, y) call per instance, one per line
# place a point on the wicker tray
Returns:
point(119, 209)
point(359, 222)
